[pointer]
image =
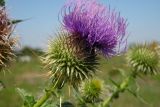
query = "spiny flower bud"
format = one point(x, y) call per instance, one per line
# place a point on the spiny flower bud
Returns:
point(91, 90)
point(144, 59)
point(69, 59)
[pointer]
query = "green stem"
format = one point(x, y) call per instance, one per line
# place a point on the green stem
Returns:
point(43, 99)
point(46, 96)
point(122, 87)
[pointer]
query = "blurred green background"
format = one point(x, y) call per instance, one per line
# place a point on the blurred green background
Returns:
point(28, 73)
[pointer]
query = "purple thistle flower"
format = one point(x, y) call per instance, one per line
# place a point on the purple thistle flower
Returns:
point(102, 28)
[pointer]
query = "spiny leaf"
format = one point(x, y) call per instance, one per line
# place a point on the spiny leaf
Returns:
point(136, 94)
point(114, 83)
point(28, 99)
point(2, 86)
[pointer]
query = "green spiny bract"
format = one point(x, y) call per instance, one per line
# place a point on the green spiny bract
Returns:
point(70, 60)
point(143, 58)
point(91, 90)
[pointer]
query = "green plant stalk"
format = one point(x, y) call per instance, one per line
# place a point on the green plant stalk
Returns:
point(43, 99)
point(122, 87)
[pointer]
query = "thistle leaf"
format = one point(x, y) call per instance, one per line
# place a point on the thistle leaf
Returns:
point(114, 83)
point(28, 99)
point(136, 94)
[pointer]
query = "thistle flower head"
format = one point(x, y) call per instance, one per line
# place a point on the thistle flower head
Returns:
point(6, 42)
point(102, 28)
point(69, 60)
point(6, 52)
point(5, 23)
point(144, 59)
point(91, 90)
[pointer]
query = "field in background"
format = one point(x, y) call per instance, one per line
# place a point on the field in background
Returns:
point(32, 77)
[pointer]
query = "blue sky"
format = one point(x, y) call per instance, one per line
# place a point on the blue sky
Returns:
point(143, 17)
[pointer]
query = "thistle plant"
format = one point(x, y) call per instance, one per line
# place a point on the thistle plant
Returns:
point(6, 52)
point(7, 43)
point(90, 29)
point(143, 59)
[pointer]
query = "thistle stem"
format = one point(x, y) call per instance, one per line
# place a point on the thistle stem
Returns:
point(122, 87)
point(43, 99)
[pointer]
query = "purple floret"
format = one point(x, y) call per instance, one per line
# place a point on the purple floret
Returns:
point(102, 28)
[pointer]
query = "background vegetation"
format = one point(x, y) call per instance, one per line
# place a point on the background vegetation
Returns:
point(32, 77)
